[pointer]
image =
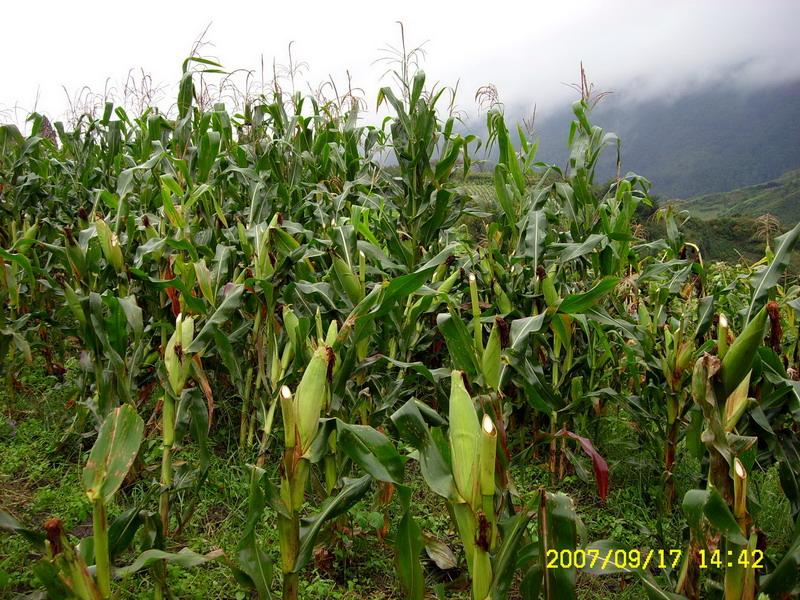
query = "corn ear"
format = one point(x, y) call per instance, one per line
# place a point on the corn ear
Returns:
point(448, 283)
point(290, 322)
point(736, 403)
point(739, 357)
point(176, 361)
point(684, 358)
point(348, 279)
point(488, 451)
point(503, 303)
point(464, 431)
point(287, 412)
point(739, 491)
point(490, 363)
point(476, 314)
point(204, 280)
point(551, 297)
point(704, 368)
point(644, 316)
point(109, 245)
point(722, 336)
point(333, 331)
point(311, 395)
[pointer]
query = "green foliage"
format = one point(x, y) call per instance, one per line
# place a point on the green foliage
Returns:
point(202, 271)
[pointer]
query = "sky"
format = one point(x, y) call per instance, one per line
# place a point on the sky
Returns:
point(528, 50)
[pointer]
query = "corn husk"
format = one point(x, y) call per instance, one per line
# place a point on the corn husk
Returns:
point(109, 245)
point(287, 412)
point(348, 279)
point(311, 395)
point(490, 362)
point(739, 359)
point(722, 336)
point(176, 360)
point(464, 431)
point(488, 452)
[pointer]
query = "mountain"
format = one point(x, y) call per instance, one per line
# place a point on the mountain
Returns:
point(780, 197)
point(712, 139)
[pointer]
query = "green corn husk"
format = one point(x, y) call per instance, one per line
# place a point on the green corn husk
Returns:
point(362, 272)
point(576, 388)
point(488, 452)
point(204, 280)
point(30, 232)
point(319, 326)
point(287, 412)
point(74, 304)
point(490, 363)
point(333, 331)
point(69, 563)
point(722, 336)
point(476, 314)
point(242, 233)
point(109, 245)
point(644, 316)
point(749, 580)
point(448, 283)
point(704, 368)
point(348, 279)
point(481, 574)
point(503, 302)
point(311, 395)
point(736, 403)
point(176, 361)
point(736, 573)
point(739, 492)
point(739, 357)
point(684, 357)
point(464, 431)
point(298, 483)
point(551, 297)
point(290, 322)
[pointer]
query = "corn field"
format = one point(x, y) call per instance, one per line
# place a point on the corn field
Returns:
point(329, 306)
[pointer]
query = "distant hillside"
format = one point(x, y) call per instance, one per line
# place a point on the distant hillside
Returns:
point(713, 139)
point(780, 197)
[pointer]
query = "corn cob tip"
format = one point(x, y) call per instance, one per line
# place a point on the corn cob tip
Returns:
point(487, 424)
point(286, 393)
point(739, 468)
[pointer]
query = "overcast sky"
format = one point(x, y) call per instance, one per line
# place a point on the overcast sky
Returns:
point(527, 49)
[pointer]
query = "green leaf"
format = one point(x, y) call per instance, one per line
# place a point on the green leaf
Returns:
point(113, 453)
point(414, 431)
point(217, 320)
point(371, 450)
point(9, 523)
point(459, 342)
point(557, 531)
point(254, 563)
point(579, 303)
point(786, 575)
point(185, 559)
point(351, 492)
point(767, 278)
point(710, 504)
point(571, 251)
point(408, 545)
point(506, 557)
point(535, 228)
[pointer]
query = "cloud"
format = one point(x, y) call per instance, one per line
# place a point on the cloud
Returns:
point(639, 49)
